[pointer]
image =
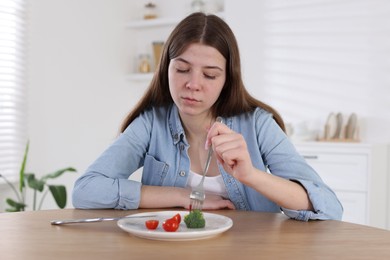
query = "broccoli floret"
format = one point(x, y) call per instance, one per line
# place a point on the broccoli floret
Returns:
point(195, 219)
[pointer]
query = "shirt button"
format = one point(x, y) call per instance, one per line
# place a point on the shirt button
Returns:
point(182, 173)
point(176, 136)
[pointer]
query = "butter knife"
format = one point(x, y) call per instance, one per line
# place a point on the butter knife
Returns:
point(91, 220)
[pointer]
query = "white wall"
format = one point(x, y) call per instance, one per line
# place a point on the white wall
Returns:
point(78, 92)
point(349, 42)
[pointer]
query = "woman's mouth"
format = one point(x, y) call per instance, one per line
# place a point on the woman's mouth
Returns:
point(190, 101)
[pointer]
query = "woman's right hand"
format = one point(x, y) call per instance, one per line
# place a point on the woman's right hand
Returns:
point(231, 151)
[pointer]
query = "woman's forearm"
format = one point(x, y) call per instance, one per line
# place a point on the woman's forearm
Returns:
point(286, 193)
point(169, 197)
point(163, 197)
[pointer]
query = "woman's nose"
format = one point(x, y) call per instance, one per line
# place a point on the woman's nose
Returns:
point(194, 82)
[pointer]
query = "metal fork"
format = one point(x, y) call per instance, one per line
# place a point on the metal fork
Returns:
point(197, 195)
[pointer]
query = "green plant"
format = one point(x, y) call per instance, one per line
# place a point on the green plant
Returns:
point(37, 185)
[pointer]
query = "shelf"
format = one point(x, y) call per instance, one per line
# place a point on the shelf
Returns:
point(168, 21)
point(164, 21)
point(139, 24)
point(140, 76)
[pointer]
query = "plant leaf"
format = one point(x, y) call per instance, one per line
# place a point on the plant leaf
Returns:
point(12, 210)
point(57, 173)
point(59, 194)
point(22, 168)
point(19, 197)
point(15, 205)
point(34, 183)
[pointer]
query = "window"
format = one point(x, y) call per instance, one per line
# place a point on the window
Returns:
point(13, 134)
point(322, 50)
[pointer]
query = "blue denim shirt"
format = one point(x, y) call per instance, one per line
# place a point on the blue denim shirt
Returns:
point(156, 141)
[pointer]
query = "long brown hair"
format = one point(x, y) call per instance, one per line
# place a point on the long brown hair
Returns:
point(212, 31)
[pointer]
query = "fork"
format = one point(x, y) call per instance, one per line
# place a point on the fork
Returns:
point(197, 195)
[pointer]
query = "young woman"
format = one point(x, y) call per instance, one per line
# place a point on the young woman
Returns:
point(254, 167)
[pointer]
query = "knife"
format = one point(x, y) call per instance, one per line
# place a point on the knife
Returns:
point(91, 220)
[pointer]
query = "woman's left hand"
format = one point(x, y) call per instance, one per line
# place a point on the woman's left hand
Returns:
point(215, 202)
point(231, 151)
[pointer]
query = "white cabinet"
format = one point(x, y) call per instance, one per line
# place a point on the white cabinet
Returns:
point(358, 175)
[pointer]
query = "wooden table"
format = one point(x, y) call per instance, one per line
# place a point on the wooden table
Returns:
point(29, 235)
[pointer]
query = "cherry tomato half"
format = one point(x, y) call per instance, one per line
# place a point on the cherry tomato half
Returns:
point(151, 224)
point(177, 218)
point(170, 225)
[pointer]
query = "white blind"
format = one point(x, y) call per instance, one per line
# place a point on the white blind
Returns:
point(13, 134)
point(333, 50)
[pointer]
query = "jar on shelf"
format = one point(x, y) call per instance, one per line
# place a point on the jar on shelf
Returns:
point(144, 63)
point(150, 11)
point(157, 51)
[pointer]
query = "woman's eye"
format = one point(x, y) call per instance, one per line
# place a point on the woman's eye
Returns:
point(182, 70)
point(209, 76)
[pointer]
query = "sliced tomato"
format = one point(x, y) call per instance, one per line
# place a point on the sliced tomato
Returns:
point(151, 224)
point(177, 218)
point(170, 225)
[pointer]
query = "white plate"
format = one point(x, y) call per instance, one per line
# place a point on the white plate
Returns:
point(351, 126)
point(215, 224)
point(331, 126)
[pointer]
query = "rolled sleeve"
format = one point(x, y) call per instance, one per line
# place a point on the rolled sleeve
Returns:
point(129, 194)
point(324, 201)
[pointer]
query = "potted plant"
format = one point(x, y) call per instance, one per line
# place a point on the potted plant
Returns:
point(29, 180)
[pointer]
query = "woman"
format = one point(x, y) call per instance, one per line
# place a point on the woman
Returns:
point(254, 167)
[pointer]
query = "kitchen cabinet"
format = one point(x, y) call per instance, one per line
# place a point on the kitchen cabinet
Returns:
point(358, 174)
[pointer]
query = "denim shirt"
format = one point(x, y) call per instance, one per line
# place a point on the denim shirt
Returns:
point(156, 141)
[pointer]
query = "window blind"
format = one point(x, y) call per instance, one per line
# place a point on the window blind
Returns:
point(13, 134)
point(333, 50)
